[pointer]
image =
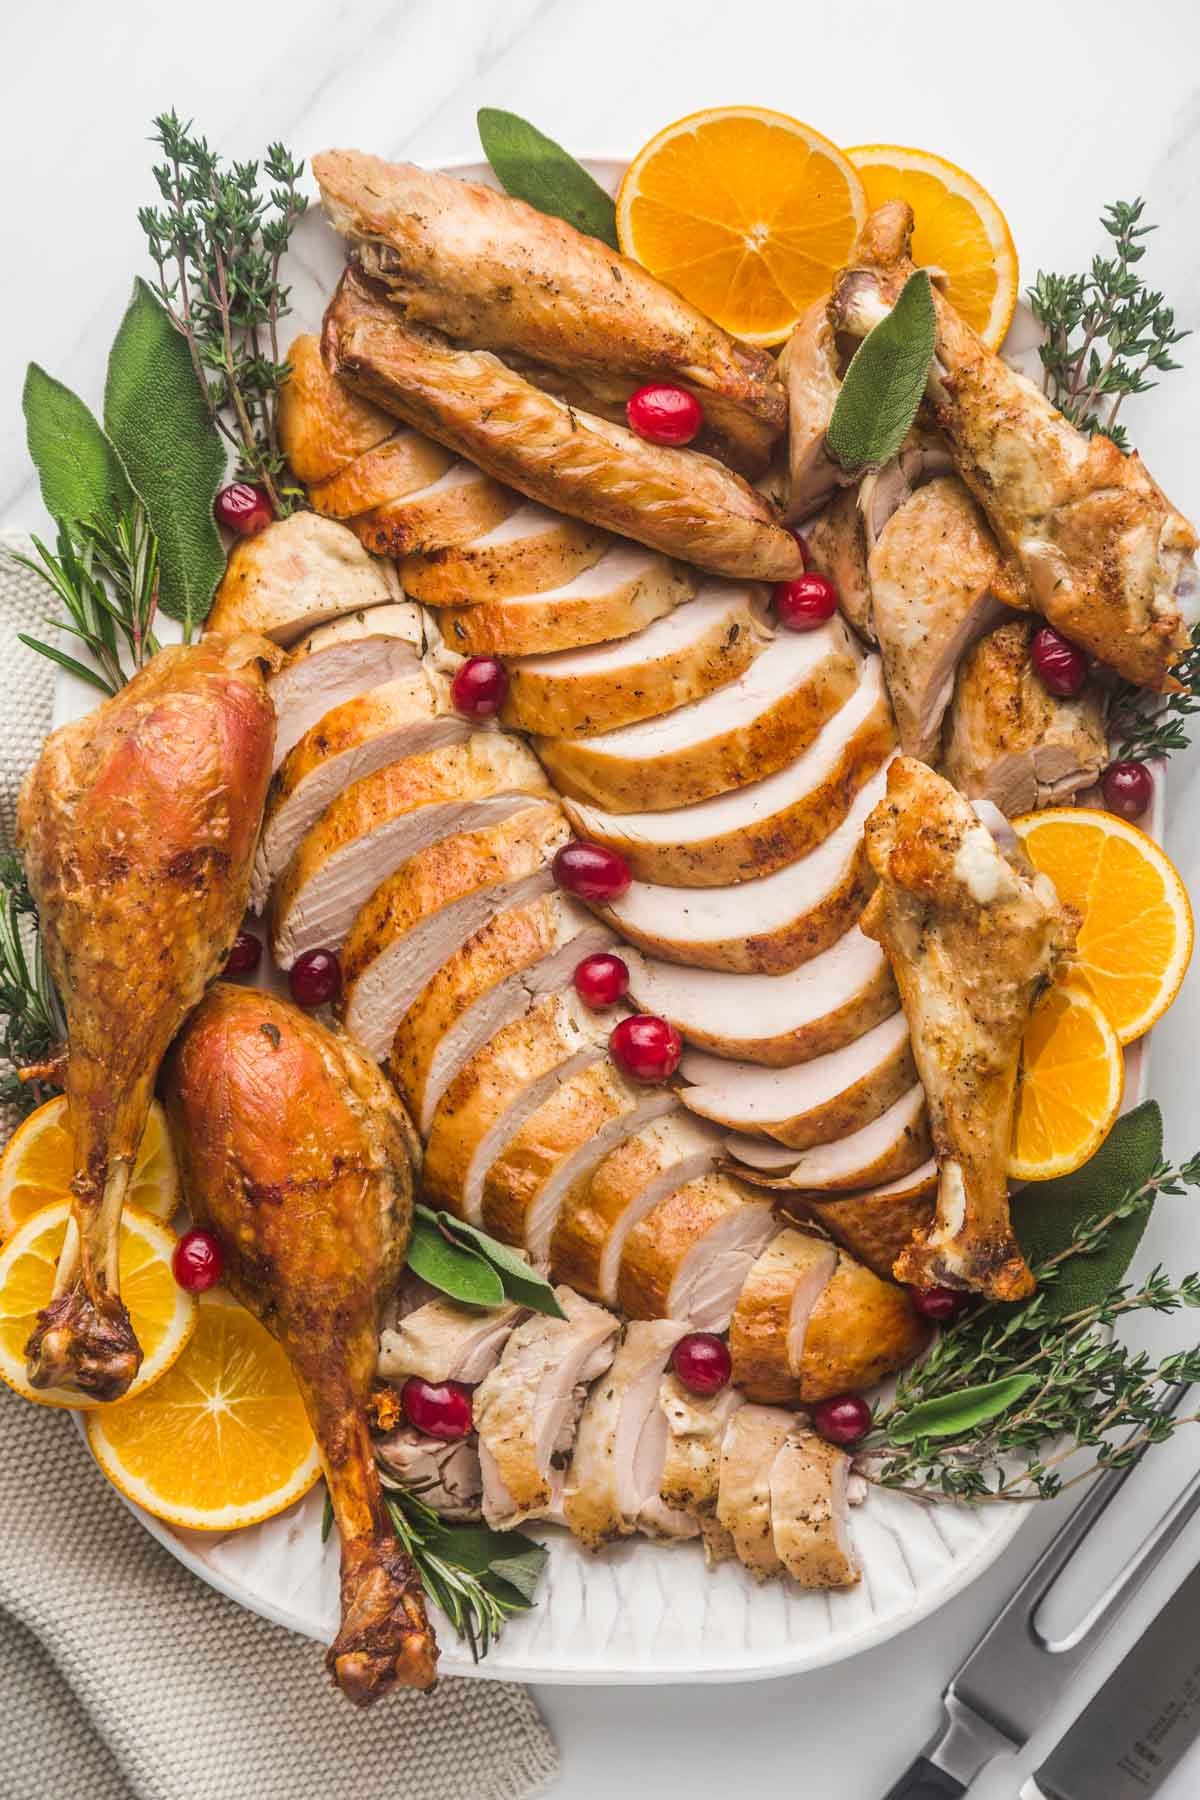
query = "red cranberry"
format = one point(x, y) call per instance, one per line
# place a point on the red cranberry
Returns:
point(591, 871)
point(1128, 789)
point(664, 414)
point(198, 1262)
point(245, 954)
point(1062, 667)
point(479, 687)
point(439, 1409)
point(805, 603)
point(243, 509)
point(646, 1047)
point(843, 1420)
point(942, 1304)
point(702, 1362)
point(315, 978)
point(601, 980)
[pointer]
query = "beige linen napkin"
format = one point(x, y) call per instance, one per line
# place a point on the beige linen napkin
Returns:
point(122, 1674)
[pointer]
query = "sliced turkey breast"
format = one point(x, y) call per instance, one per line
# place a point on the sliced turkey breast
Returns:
point(323, 424)
point(754, 830)
point(616, 1469)
point(597, 1216)
point(674, 500)
point(430, 905)
point(753, 1439)
point(489, 982)
point(779, 1020)
point(405, 717)
point(741, 733)
point(809, 1485)
point(770, 1321)
point(837, 547)
point(531, 550)
point(809, 366)
point(490, 1099)
point(814, 1102)
point(767, 926)
point(689, 1256)
point(696, 1429)
point(458, 506)
point(559, 1146)
point(447, 1476)
point(878, 1224)
point(385, 818)
point(527, 1409)
point(443, 1341)
point(684, 656)
point(889, 1147)
point(623, 591)
point(339, 660)
point(402, 464)
point(296, 574)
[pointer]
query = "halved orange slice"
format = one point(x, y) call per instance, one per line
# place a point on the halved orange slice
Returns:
point(37, 1165)
point(1071, 1082)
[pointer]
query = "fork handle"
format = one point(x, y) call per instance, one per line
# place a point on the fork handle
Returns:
point(923, 1780)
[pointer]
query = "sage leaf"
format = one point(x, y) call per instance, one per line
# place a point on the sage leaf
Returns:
point(521, 1283)
point(885, 382)
point(532, 167)
point(156, 416)
point(955, 1415)
point(479, 1550)
point(521, 1569)
point(451, 1268)
point(81, 474)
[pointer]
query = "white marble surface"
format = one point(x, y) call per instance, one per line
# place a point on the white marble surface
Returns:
point(1057, 108)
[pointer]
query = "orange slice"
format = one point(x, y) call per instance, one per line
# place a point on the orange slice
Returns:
point(961, 234)
point(37, 1166)
point(1135, 940)
point(163, 1316)
point(746, 213)
point(1071, 1083)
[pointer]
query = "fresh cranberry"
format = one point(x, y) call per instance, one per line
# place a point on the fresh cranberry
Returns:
point(315, 978)
point(1061, 666)
point(664, 414)
point(843, 1420)
point(802, 546)
point(439, 1409)
point(646, 1047)
point(479, 687)
point(591, 871)
point(702, 1362)
point(245, 954)
point(243, 509)
point(601, 980)
point(198, 1262)
point(1128, 789)
point(805, 603)
point(942, 1304)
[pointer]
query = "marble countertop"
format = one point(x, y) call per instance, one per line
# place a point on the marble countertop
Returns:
point(1056, 110)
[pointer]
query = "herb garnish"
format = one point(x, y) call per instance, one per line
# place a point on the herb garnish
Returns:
point(1146, 726)
point(533, 168)
point(105, 577)
point(472, 1267)
point(885, 383)
point(33, 1026)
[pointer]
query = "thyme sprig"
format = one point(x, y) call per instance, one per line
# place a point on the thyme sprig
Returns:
point(218, 243)
point(1147, 726)
point(33, 1029)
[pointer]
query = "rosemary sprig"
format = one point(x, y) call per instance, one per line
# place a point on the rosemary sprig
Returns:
point(217, 244)
point(1106, 331)
point(33, 1029)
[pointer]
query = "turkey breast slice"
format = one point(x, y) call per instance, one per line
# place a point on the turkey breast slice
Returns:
point(527, 1408)
point(837, 547)
point(339, 660)
point(689, 1257)
point(889, 1147)
point(742, 733)
point(382, 820)
point(447, 1476)
point(767, 926)
point(616, 1469)
point(384, 725)
point(323, 424)
point(696, 1429)
point(404, 464)
point(773, 1020)
point(487, 983)
point(815, 1102)
point(443, 1341)
point(878, 1224)
point(808, 1487)
point(767, 1331)
point(754, 830)
point(557, 1148)
point(625, 590)
point(531, 550)
point(458, 506)
point(430, 905)
point(597, 1217)
point(296, 574)
point(679, 659)
point(753, 1439)
point(490, 1099)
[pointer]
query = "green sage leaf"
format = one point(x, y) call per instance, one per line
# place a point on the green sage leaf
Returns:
point(521, 1568)
point(954, 1415)
point(479, 1550)
point(156, 416)
point(534, 168)
point(521, 1283)
point(451, 1268)
point(80, 471)
point(885, 382)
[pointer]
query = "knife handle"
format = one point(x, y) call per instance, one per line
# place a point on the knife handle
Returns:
point(923, 1780)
